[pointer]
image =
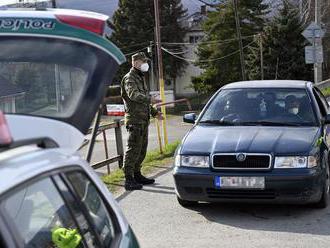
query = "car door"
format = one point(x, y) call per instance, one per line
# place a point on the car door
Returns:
point(43, 213)
point(97, 210)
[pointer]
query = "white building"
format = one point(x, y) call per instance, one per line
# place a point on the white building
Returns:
point(27, 3)
point(194, 35)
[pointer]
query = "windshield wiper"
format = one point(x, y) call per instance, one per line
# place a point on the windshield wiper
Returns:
point(219, 122)
point(270, 123)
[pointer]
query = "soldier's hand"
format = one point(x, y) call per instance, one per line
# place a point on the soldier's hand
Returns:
point(160, 116)
point(155, 100)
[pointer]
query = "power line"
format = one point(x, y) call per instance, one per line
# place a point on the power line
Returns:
point(206, 60)
point(208, 42)
point(181, 51)
point(176, 53)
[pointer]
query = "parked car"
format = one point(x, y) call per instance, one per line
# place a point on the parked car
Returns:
point(55, 66)
point(257, 141)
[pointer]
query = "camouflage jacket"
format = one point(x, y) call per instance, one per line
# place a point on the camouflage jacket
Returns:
point(135, 94)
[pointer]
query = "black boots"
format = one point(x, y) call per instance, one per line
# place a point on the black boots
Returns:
point(137, 182)
point(139, 178)
point(131, 184)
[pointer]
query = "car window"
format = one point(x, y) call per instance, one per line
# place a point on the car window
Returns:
point(85, 228)
point(277, 105)
point(95, 205)
point(41, 217)
point(50, 85)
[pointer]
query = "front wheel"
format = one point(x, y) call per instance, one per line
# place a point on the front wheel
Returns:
point(324, 202)
point(185, 203)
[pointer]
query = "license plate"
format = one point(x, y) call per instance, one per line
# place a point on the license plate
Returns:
point(239, 182)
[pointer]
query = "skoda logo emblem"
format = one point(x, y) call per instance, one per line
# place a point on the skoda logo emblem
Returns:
point(240, 157)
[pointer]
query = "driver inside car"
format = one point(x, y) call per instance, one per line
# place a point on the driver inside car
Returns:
point(292, 105)
point(236, 108)
point(272, 109)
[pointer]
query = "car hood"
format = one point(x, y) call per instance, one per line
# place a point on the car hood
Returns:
point(258, 139)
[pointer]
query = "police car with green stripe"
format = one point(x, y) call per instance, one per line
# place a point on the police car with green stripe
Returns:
point(54, 68)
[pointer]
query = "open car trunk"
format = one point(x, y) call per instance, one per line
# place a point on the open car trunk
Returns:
point(56, 78)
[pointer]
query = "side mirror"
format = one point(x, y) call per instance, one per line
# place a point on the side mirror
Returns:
point(190, 118)
point(327, 119)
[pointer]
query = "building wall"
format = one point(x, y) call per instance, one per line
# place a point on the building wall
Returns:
point(183, 83)
point(26, 3)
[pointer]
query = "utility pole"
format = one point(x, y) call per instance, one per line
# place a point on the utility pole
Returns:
point(301, 9)
point(261, 56)
point(54, 3)
point(160, 68)
point(152, 76)
point(239, 37)
point(317, 43)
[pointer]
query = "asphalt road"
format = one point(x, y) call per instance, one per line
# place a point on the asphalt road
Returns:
point(159, 221)
point(176, 129)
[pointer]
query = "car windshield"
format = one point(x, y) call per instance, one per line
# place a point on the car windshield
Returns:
point(269, 107)
point(45, 77)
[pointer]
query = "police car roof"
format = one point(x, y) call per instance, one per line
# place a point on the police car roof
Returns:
point(268, 84)
point(70, 23)
point(50, 13)
point(23, 163)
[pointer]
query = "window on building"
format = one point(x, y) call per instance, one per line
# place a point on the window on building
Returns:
point(195, 38)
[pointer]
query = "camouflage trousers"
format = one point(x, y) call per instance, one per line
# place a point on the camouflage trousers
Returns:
point(136, 149)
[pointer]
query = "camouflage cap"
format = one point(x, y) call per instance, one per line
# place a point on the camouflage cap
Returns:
point(139, 56)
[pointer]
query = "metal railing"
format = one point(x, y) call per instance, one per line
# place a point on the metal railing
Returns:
point(159, 136)
point(176, 101)
point(98, 129)
point(324, 84)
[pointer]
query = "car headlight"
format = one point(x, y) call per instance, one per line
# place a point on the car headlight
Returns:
point(295, 162)
point(192, 161)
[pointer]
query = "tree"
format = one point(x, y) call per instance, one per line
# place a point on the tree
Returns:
point(218, 54)
point(134, 29)
point(325, 7)
point(283, 48)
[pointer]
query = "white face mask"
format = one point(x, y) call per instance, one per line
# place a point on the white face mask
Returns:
point(293, 111)
point(144, 67)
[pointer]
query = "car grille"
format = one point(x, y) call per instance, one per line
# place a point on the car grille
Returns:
point(252, 161)
point(240, 194)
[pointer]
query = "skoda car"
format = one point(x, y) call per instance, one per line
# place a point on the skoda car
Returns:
point(55, 66)
point(257, 141)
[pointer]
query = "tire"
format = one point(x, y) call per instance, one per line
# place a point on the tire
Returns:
point(185, 203)
point(325, 199)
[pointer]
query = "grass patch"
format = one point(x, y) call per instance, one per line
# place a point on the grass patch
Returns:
point(154, 159)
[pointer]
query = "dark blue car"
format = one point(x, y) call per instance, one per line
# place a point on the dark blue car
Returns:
point(257, 141)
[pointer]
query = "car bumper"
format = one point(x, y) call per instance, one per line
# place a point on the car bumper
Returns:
point(296, 186)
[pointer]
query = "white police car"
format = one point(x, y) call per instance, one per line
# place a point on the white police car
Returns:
point(54, 67)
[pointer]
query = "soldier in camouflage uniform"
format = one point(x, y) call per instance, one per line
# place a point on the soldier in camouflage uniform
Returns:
point(138, 109)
